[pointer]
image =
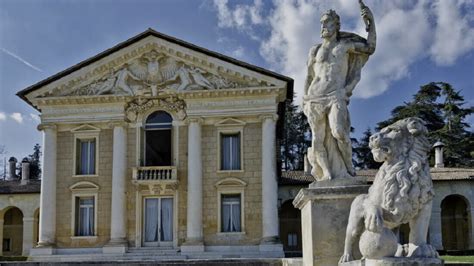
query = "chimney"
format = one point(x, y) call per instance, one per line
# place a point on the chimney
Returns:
point(439, 148)
point(307, 165)
point(12, 168)
point(25, 171)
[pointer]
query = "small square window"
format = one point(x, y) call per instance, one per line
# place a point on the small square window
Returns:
point(86, 156)
point(231, 213)
point(230, 152)
point(85, 222)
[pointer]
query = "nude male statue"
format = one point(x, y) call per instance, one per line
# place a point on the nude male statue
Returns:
point(334, 68)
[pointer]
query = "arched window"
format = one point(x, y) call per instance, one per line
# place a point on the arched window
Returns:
point(157, 139)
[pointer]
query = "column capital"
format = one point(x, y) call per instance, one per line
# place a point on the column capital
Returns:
point(45, 126)
point(273, 117)
point(198, 120)
point(113, 124)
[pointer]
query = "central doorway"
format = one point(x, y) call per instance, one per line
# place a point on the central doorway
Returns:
point(158, 222)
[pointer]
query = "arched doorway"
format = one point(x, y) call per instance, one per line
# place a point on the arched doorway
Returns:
point(455, 222)
point(13, 232)
point(290, 229)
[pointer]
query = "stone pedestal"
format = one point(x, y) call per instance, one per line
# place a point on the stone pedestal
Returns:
point(325, 211)
point(395, 262)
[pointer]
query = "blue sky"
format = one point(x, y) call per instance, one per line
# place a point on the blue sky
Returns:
point(418, 42)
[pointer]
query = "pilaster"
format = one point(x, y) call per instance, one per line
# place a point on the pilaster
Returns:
point(28, 234)
point(435, 235)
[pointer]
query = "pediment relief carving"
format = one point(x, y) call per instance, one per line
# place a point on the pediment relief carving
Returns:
point(152, 74)
point(140, 105)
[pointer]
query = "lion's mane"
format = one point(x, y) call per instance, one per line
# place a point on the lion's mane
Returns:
point(408, 184)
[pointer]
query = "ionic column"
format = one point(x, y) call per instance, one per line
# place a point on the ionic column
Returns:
point(269, 180)
point(194, 208)
point(28, 234)
point(436, 239)
point(118, 229)
point(47, 223)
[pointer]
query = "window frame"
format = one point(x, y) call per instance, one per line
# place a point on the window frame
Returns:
point(83, 189)
point(222, 131)
point(141, 137)
point(231, 186)
point(81, 136)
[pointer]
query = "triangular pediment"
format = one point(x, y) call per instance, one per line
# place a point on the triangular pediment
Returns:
point(230, 122)
point(151, 64)
point(86, 128)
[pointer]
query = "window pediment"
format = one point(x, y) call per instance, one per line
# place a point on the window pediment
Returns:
point(84, 185)
point(231, 182)
point(86, 128)
point(230, 122)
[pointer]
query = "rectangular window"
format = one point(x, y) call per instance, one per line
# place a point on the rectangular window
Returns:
point(230, 152)
point(230, 213)
point(292, 240)
point(85, 216)
point(85, 159)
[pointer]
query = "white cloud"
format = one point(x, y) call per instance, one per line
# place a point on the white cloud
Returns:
point(239, 52)
point(404, 35)
point(240, 17)
point(18, 117)
point(454, 36)
point(35, 117)
point(3, 116)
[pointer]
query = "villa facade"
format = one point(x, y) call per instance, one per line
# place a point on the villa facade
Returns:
point(158, 143)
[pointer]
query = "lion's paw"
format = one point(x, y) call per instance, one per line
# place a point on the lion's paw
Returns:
point(346, 258)
point(422, 251)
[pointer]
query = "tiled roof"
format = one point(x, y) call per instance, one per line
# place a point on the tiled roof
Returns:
point(15, 187)
point(438, 174)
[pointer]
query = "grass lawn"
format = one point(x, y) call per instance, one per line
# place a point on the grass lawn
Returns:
point(13, 258)
point(458, 258)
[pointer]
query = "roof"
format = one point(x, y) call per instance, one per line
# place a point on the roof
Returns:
point(437, 174)
point(150, 32)
point(15, 187)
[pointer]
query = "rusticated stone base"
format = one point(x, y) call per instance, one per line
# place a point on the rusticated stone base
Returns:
point(324, 215)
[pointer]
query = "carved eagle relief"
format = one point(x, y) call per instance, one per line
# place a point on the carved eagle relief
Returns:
point(151, 73)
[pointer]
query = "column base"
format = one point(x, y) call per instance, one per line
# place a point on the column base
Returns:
point(42, 250)
point(324, 216)
point(192, 246)
point(115, 246)
point(395, 262)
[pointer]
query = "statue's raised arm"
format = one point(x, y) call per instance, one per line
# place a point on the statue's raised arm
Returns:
point(368, 17)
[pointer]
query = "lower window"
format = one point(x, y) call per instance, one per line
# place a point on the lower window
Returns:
point(85, 216)
point(231, 213)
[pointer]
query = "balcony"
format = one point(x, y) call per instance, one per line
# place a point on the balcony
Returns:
point(155, 177)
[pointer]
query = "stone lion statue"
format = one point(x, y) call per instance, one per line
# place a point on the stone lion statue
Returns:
point(401, 193)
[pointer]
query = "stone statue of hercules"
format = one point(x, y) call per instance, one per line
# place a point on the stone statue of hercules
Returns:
point(334, 68)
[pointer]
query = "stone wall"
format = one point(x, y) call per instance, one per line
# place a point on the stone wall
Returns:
point(65, 179)
point(253, 191)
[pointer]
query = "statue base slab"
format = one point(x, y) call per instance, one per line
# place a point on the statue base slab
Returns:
point(395, 262)
point(325, 211)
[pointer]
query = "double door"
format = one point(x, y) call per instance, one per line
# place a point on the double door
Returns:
point(158, 221)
